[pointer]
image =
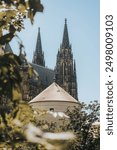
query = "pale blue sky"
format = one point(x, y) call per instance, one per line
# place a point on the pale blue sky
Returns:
point(83, 26)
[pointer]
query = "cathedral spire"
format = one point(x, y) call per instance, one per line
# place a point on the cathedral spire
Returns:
point(65, 74)
point(39, 45)
point(65, 42)
point(38, 57)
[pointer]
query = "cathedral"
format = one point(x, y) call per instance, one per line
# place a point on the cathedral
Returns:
point(64, 73)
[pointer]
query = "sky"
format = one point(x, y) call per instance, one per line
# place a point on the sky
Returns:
point(83, 27)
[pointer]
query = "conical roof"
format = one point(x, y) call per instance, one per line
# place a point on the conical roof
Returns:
point(39, 45)
point(53, 93)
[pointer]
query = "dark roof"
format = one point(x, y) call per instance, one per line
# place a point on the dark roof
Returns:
point(46, 75)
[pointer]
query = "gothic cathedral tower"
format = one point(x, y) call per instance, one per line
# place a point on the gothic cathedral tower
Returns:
point(38, 57)
point(65, 71)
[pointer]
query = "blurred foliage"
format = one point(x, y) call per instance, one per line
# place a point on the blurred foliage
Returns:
point(20, 146)
point(12, 16)
point(50, 140)
point(11, 130)
point(9, 76)
point(15, 113)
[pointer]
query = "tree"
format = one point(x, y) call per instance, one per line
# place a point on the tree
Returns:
point(9, 76)
point(82, 121)
point(12, 16)
point(15, 113)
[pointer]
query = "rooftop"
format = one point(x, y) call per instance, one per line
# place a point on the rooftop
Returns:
point(53, 93)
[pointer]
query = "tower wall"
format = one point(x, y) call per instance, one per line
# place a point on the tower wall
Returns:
point(65, 72)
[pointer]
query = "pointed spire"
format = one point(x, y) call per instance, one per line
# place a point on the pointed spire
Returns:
point(39, 45)
point(38, 57)
point(65, 42)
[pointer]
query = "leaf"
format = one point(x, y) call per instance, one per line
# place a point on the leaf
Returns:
point(2, 14)
point(16, 94)
point(35, 5)
point(31, 16)
point(6, 38)
point(22, 8)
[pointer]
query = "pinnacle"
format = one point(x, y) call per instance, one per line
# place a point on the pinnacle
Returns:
point(65, 42)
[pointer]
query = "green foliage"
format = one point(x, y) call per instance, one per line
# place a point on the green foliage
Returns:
point(12, 15)
point(82, 121)
point(12, 130)
point(15, 114)
point(9, 76)
point(20, 146)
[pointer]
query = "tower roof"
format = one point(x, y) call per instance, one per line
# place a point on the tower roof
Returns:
point(39, 45)
point(38, 57)
point(65, 42)
point(54, 93)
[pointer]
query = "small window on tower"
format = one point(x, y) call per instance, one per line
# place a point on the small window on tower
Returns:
point(52, 109)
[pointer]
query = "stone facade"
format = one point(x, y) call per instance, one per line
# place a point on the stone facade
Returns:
point(65, 74)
